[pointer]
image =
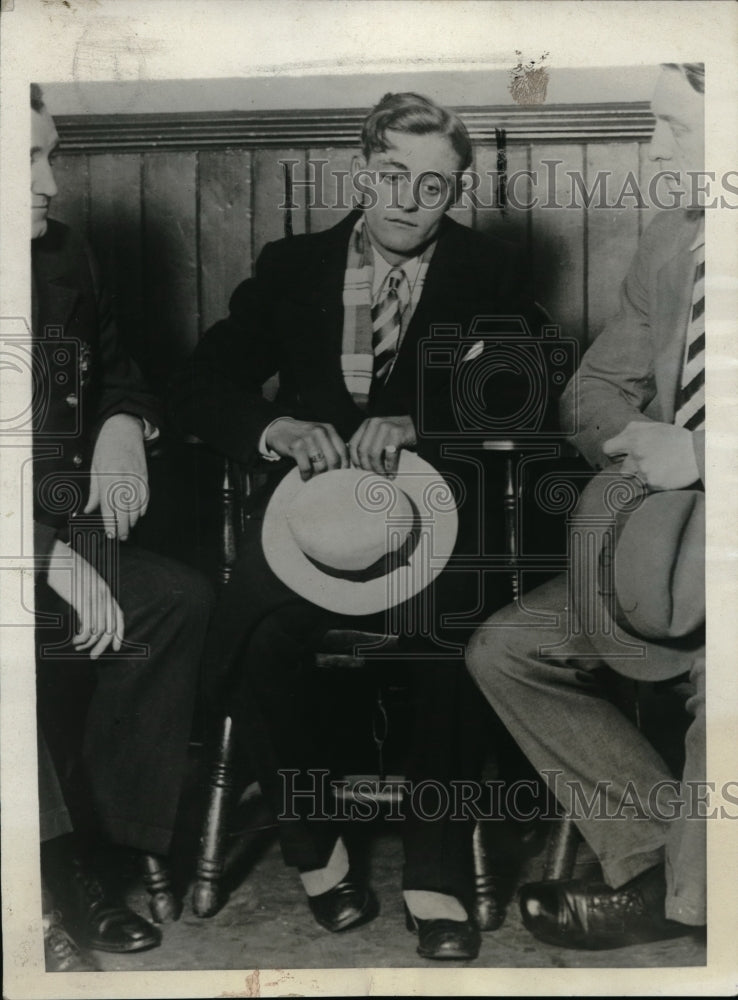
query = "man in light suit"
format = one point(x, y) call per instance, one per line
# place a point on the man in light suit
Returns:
point(311, 300)
point(638, 404)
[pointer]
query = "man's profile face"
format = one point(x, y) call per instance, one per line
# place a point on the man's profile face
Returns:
point(678, 141)
point(412, 184)
point(44, 141)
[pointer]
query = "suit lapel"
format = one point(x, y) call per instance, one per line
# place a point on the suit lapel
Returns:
point(316, 306)
point(55, 284)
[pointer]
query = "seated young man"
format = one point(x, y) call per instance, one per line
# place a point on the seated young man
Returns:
point(370, 288)
point(639, 406)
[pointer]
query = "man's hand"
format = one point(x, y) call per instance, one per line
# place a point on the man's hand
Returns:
point(99, 617)
point(119, 483)
point(315, 447)
point(662, 455)
point(377, 443)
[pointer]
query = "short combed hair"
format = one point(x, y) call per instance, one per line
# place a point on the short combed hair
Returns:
point(37, 98)
point(416, 115)
point(694, 73)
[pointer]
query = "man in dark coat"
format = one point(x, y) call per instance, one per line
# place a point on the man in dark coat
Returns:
point(140, 618)
point(342, 316)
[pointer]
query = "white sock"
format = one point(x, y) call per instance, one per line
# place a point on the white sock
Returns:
point(433, 905)
point(320, 880)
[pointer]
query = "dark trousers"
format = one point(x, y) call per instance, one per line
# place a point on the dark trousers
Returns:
point(118, 728)
point(272, 698)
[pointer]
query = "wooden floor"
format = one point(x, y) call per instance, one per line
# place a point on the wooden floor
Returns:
point(266, 924)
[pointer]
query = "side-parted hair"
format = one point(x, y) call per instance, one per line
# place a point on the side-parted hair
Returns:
point(37, 98)
point(694, 73)
point(416, 115)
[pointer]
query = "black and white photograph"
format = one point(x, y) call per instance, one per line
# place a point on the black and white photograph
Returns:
point(368, 498)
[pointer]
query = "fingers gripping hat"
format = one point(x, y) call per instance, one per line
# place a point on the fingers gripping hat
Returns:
point(355, 542)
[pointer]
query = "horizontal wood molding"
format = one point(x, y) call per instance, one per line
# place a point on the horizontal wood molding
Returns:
point(256, 130)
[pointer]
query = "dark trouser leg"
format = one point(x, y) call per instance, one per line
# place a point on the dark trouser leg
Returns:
point(276, 716)
point(137, 720)
point(261, 631)
point(54, 819)
point(447, 749)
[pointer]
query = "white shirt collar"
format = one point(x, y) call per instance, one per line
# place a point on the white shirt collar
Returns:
point(383, 267)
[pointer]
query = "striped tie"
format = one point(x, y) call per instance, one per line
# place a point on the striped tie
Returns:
point(690, 409)
point(387, 322)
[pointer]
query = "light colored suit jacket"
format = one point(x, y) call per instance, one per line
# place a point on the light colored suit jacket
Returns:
point(633, 369)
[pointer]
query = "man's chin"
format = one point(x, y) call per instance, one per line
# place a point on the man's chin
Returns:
point(39, 227)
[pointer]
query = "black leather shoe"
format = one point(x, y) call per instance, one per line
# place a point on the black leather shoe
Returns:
point(347, 904)
point(101, 922)
point(579, 914)
point(62, 953)
point(445, 939)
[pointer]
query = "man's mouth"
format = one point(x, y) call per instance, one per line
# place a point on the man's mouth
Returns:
point(401, 222)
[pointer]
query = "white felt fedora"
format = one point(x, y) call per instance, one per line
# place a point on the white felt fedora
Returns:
point(355, 542)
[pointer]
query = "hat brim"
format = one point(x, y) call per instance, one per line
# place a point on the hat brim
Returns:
point(625, 652)
point(439, 523)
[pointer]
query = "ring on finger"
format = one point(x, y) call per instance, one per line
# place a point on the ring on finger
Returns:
point(317, 457)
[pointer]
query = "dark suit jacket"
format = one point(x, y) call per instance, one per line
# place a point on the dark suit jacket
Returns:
point(81, 376)
point(288, 320)
point(633, 369)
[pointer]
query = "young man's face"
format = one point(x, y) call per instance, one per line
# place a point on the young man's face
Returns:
point(411, 187)
point(678, 142)
point(44, 141)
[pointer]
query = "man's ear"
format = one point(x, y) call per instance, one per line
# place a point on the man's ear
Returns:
point(358, 162)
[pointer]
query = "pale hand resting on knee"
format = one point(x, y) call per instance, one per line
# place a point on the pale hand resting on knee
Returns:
point(99, 617)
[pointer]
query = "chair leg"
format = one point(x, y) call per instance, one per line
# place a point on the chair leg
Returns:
point(164, 905)
point(207, 891)
point(489, 910)
point(561, 851)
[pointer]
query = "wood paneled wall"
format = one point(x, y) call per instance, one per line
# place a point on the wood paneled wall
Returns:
point(177, 226)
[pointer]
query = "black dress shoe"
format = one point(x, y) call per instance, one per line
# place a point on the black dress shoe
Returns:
point(347, 904)
point(61, 952)
point(100, 921)
point(445, 939)
point(579, 914)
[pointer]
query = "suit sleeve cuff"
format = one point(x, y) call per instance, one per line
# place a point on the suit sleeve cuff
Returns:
point(150, 432)
point(264, 450)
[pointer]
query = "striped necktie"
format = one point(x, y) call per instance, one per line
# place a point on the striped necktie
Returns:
point(690, 408)
point(387, 321)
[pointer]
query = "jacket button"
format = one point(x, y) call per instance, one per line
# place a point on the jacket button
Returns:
point(71, 399)
point(77, 460)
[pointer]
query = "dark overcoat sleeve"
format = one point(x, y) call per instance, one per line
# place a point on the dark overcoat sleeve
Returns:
point(218, 395)
point(123, 388)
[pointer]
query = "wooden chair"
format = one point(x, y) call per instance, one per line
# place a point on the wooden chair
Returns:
point(341, 648)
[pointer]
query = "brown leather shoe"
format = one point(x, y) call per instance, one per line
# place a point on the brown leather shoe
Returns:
point(580, 914)
point(60, 951)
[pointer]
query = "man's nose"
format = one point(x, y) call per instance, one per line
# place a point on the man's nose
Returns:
point(661, 145)
point(407, 195)
point(42, 180)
